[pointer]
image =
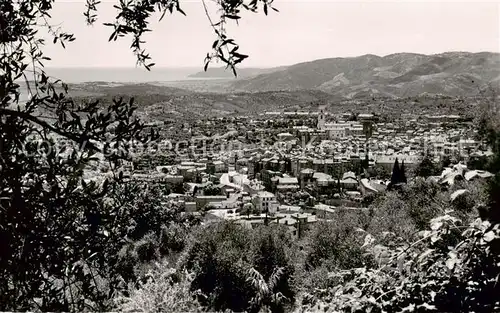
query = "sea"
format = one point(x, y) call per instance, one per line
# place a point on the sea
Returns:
point(122, 75)
point(76, 75)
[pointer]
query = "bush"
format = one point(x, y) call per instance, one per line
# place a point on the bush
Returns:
point(126, 262)
point(273, 250)
point(215, 256)
point(172, 239)
point(146, 248)
point(227, 260)
point(316, 278)
point(160, 293)
point(212, 190)
point(427, 168)
point(390, 214)
point(425, 276)
point(408, 209)
point(337, 244)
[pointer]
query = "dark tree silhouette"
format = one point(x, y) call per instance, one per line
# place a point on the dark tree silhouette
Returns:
point(366, 162)
point(396, 173)
point(403, 178)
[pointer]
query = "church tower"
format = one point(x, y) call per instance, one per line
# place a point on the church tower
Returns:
point(321, 117)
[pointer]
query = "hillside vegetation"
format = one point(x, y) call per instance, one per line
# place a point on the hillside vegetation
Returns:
point(163, 102)
point(159, 103)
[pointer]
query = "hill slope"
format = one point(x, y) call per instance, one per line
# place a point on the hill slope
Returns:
point(157, 102)
point(395, 75)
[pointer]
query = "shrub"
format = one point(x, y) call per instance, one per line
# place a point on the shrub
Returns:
point(172, 239)
point(160, 293)
point(424, 200)
point(146, 248)
point(425, 276)
point(273, 255)
point(216, 257)
point(390, 214)
point(126, 262)
point(427, 168)
point(225, 258)
point(336, 244)
point(409, 209)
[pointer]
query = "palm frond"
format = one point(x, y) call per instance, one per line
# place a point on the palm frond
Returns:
point(258, 282)
point(275, 277)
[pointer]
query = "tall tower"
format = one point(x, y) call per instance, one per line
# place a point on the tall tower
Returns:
point(321, 117)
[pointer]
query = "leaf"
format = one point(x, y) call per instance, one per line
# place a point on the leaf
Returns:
point(489, 236)
point(435, 238)
point(265, 8)
point(162, 15)
point(233, 17)
point(435, 225)
point(425, 255)
point(368, 240)
point(180, 11)
point(113, 36)
point(240, 56)
point(457, 194)
point(105, 186)
point(452, 260)
point(409, 308)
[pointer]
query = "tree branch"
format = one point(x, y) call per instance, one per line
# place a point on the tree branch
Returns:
point(78, 139)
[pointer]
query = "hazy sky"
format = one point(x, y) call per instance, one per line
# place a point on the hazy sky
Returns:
point(302, 31)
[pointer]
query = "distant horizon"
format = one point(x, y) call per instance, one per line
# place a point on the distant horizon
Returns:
point(194, 67)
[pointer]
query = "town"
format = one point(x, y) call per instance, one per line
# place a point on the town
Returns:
point(296, 168)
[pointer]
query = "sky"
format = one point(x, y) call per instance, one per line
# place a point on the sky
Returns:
point(303, 30)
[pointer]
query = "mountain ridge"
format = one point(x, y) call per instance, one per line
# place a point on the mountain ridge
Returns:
point(396, 75)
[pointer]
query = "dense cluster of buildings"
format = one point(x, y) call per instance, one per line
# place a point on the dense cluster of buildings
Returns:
point(295, 168)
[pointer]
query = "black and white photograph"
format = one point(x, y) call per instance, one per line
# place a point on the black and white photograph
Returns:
point(250, 156)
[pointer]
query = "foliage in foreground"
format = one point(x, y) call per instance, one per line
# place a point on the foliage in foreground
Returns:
point(163, 290)
point(242, 269)
point(61, 234)
point(425, 276)
point(450, 266)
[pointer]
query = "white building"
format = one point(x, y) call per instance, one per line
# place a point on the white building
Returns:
point(340, 129)
point(265, 202)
